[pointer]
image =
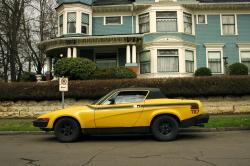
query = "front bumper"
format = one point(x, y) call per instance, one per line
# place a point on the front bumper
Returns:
point(195, 121)
point(41, 123)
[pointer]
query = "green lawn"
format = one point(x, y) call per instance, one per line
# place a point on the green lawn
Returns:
point(216, 121)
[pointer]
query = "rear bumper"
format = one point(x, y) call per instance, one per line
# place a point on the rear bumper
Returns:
point(195, 121)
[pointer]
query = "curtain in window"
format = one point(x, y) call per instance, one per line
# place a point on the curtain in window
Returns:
point(71, 22)
point(61, 24)
point(166, 21)
point(214, 61)
point(85, 23)
point(189, 56)
point(228, 24)
point(145, 62)
point(144, 23)
point(168, 61)
point(245, 59)
point(201, 19)
point(187, 23)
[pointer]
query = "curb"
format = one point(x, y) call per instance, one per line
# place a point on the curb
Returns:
point(190, 130)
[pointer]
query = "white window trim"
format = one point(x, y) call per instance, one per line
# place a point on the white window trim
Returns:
point(236, 24)
point(197, 20)
point(219, 49)
point(104, 21)
point(242, 49)
point(192, 19)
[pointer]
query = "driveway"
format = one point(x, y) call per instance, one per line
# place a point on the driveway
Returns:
point(231, 148)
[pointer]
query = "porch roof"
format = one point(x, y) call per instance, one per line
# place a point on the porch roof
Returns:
point(90, 41)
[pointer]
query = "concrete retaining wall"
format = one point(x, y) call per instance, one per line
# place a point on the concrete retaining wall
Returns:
point(31, 109)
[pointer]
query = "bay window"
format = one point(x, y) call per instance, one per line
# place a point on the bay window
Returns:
point(245, 58)
point(168, 60)
point(166, 21)
point(187, 23)
point(71, 22)
point(189, 61)
point(145, 62)
point(228, 24)
point(85, 23)
point(144, 23)
point(214, 61)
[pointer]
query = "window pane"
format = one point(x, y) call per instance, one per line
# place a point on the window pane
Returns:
point(85, 18)
point(168, 64)
point(144, 23)
point(201, 19)
point(61, 24)
point(166, 21)
point(214, 61)
point(168, 52)
point(189, 61)
point(228, 19)
point(71, 17)
point(145, 62)
point(228, 24)
point(130, 97)
point(187, 23)
point(245, 58)
point(85, 23)
point(113, 20)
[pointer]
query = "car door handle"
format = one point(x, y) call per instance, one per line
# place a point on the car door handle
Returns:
point(137, 106)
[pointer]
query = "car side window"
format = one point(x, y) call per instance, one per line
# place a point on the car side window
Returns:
point(125, 97)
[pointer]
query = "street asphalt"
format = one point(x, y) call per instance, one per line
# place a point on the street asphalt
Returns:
point(227, 148)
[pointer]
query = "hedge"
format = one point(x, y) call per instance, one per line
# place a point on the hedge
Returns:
point(93, 89)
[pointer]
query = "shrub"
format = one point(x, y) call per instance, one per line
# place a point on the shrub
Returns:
point(75, 68)
point(238, 69)
point(28, 77)
point(93, 89)
point(203, 71)
point(113, 73)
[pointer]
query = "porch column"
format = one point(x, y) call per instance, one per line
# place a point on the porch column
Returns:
point(69, 53)
point(74, 52)
point(134, 54)
point(49, 68)
point(128, 55)
point(49, 64)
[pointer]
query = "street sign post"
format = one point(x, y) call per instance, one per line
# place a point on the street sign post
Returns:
point(63, 87)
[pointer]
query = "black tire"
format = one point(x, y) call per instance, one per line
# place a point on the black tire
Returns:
point(165, 128)
point(67, 130)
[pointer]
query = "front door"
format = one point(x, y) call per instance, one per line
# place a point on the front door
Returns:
point(122, 109)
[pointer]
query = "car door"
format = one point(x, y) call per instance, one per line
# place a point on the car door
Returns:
point(122, 109)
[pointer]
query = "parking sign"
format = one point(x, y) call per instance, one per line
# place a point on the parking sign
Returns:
point(63, 84)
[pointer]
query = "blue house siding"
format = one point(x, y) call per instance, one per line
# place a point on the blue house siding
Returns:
point(211, 33)
point(153, 36)
point(100, 29)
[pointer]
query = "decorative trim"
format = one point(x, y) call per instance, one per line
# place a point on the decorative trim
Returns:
point(214, 45)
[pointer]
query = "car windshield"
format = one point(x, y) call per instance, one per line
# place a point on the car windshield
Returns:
point(103, 98)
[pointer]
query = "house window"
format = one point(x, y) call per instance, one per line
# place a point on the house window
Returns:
point(189, 59)
point(201, 19)
point(245, 58)
point(106, 60)
point(187, 23)
point(60, 24)
point(168, 60)
point(85, 23)
point(144, 23)
point(145, 62)
point(228, 24)
point(113, 20)
point(71, 22)
point(166, 21)
point(214, 61)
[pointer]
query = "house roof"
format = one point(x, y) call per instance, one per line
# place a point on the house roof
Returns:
point(111, 2)
point(222, 1)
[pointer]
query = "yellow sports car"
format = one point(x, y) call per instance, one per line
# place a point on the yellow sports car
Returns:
point(128, 110)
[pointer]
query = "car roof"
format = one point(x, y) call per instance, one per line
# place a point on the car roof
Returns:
point(154, 93)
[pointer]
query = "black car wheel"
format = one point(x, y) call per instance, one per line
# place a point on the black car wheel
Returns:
point(67, 130)
point(165, 128)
